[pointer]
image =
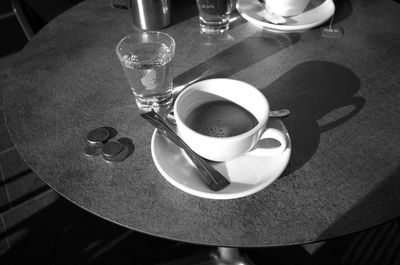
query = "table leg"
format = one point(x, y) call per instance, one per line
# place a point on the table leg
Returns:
point(230, 256)
point(220, 256)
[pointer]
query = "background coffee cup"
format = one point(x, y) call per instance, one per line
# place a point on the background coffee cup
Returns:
point(226, 148)
point(286, 8)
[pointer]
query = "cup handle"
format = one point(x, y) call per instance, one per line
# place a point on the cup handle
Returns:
point(272, 142)
point(119, 4)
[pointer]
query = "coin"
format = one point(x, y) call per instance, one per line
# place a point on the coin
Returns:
point(118, 155)
point(112, 148)
point(98, 135)
point(93, 149)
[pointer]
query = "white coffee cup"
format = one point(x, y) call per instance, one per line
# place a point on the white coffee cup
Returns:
point(227, 148)
point(286, 8)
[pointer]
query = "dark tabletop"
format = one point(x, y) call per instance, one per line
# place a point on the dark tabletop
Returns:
point(344, 95)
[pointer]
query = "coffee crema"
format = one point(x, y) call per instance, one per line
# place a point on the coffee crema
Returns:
point(220, 119)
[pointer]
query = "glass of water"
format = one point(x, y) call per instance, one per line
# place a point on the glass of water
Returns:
point(214, 15)
point(146, 59)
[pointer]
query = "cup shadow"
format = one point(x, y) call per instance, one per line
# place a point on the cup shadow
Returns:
point(311, 91)
point(236, 58)
point(343, 9)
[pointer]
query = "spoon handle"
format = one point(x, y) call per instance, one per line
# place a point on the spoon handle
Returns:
point(211, 177)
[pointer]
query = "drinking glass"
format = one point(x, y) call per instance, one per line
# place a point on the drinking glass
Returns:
point(146, 59)
point(214, 15)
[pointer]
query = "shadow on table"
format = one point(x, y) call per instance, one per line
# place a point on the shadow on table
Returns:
point(311, 91)
point(237, 57)
point(377, 245)
point(343, 9)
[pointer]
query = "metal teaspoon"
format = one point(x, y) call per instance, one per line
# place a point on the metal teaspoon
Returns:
point(211, 177)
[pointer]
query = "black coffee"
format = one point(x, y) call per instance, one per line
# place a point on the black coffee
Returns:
point(220, 119)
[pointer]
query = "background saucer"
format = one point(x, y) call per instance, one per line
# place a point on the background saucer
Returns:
point(248, 174)
point(316, 13)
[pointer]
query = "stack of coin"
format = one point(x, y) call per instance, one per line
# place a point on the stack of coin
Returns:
point(95, 139)
point(114, 151)
point(97, 143)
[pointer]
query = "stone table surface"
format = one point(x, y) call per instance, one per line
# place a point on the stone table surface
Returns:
point(344, 95)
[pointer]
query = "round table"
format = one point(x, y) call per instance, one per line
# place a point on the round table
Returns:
point(343, 174)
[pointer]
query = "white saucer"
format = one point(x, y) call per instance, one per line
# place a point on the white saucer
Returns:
point(248, 174)
point(316, 13)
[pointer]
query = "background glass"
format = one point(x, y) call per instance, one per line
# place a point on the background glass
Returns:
point(146, 59)
point(214, 15)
